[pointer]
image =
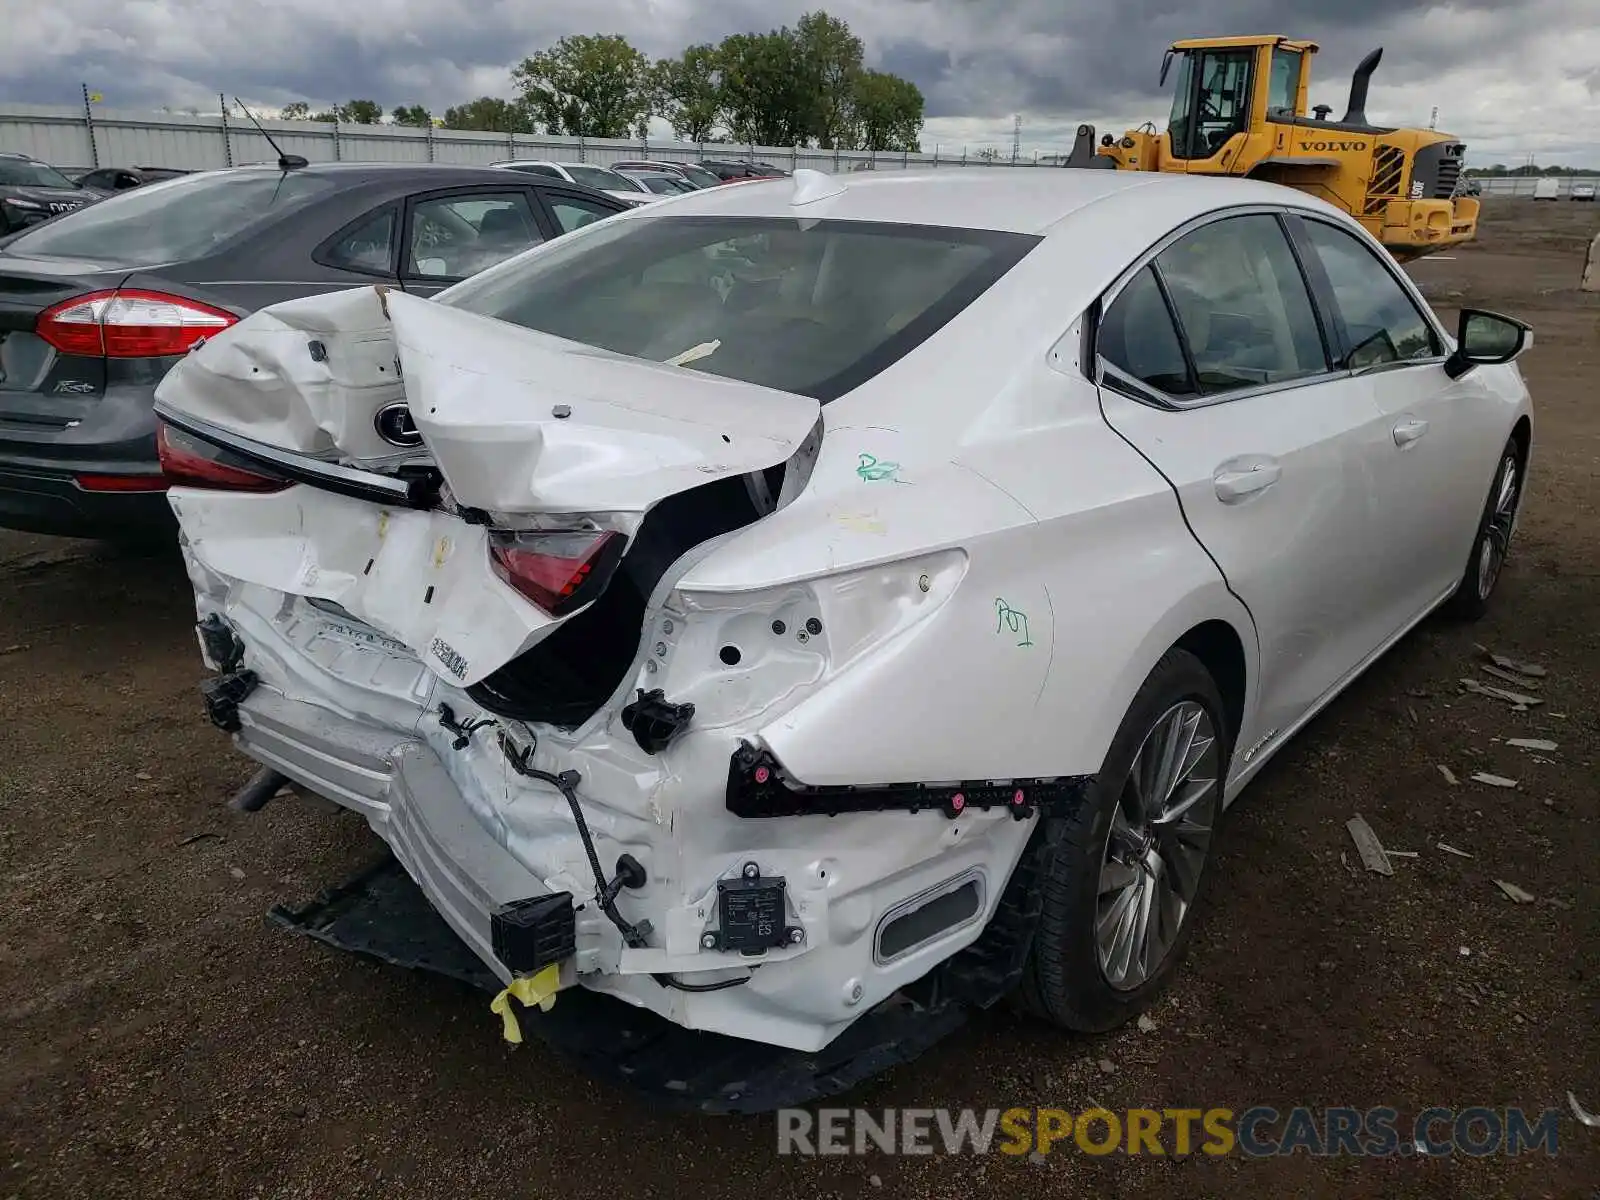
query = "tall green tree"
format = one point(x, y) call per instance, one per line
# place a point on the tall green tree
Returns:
point(888, 112)
point(830, 58)
point(687, 91)
point(414, 115)
point(765, 97)
point(490, 114)
point(586, 86)
point(356, 112)
point(299, 110)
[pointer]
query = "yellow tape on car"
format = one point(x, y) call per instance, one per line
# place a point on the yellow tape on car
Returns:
point(537, 989)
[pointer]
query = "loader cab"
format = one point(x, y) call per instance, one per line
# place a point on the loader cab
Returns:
point(1227, 88)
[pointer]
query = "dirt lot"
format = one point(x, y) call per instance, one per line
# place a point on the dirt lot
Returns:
point(160, 1039)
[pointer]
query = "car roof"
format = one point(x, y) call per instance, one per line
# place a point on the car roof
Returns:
point(1030, 200)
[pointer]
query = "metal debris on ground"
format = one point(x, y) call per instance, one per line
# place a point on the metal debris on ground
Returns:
point(1499, 781)
point(1449, 849)
point(1587, 1118)
point(1368, 845)
point(1531, 670)
point(1513, 892)
point(1146, 1023)
point(1507, 676)
point(1519, 699)
point(1107, 1067)
point(1402, 854)
point(1412, 713)
point(198, 837)
point(1449, 775)
point(1532, 743)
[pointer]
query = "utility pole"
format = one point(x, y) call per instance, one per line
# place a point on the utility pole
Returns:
point(1016, 138)
point(1433, 121)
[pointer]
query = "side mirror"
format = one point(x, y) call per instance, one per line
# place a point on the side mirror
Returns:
point(1484, 339)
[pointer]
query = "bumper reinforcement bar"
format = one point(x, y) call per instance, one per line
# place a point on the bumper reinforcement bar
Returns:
point(758, 787)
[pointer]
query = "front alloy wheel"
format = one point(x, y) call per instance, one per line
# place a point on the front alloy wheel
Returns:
point(1492, 545)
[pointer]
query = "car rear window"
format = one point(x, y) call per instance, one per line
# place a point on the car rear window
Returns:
point(173, 220)
point(24, 172)
point(596, 177)
point(814, 307)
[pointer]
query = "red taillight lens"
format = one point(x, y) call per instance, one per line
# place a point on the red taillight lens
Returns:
point(189, 462)
point(121, 483)
point(129, 323)
point(559, 572)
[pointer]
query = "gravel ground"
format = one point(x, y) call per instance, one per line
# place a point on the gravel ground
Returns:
point(161, 1039)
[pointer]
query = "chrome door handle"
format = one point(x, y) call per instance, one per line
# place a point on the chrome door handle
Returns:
point(1409, 431)
point(1235, 483)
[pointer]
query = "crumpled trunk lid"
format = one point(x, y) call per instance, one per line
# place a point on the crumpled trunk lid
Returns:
point(528, 432)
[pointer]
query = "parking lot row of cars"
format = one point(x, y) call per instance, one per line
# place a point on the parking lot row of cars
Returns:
point(32, 191)
point(107, 279)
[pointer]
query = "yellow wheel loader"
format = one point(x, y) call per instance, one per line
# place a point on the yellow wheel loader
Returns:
point(1240, 110)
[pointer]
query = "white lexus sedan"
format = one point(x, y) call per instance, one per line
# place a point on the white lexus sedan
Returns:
point(838, 594)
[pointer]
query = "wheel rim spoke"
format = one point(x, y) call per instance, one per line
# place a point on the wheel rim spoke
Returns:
point(1156, 846)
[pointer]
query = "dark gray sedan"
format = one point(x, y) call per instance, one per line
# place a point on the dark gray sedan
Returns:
point(96, 305)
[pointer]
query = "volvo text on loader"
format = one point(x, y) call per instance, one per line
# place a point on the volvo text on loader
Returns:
point(1240, 109)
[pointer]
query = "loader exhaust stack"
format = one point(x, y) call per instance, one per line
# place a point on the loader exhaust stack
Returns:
point(1359, 82)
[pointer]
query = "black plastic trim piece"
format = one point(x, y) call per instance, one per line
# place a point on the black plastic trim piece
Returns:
point(654, 720)
point(533, 933)
point(759, 788)
point(223, 694)
point(222, 644)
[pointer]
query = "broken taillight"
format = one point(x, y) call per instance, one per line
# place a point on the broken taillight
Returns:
point(187, 461)
point(560, 571)
point(129, 323)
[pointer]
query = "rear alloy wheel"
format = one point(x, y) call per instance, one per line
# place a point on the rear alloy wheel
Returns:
point(1122, 875)
point(1492, 545)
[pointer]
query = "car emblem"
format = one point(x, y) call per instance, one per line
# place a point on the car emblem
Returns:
point(62, 206)
point(75, 387)
point(394, 425)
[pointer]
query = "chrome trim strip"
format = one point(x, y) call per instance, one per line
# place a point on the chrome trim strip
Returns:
point(363, 485)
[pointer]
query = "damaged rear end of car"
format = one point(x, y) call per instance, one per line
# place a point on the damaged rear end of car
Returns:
point(451, 573)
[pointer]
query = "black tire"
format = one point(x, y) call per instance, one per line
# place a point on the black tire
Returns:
point(1064, 982)
point(1470, 600)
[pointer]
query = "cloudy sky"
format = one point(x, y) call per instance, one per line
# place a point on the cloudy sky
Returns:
point(1511, 77)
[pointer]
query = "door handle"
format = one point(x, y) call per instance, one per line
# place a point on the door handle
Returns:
point(1234, 483)
point(1409, 431)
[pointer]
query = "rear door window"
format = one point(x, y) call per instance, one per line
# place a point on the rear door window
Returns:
point(813, 307)
point(574, 212)
point(174, 221)
point(367, 247)
point(1137, 337)
point(1242, 304)
point(452, 237)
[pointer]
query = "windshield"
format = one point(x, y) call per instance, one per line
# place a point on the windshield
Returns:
point(660, 184)
point(815, 307)
point(701, 176)
point(24, 172)
point(598, 177)
point(174, 220)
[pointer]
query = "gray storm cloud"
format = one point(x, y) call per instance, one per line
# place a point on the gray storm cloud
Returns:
point(977, 61)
